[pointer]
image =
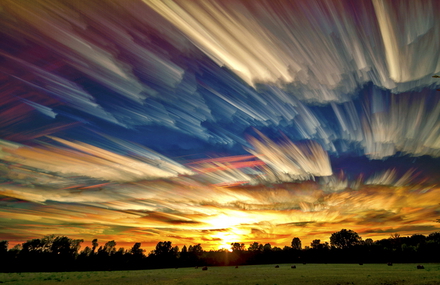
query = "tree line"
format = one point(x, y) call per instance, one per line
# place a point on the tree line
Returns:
point(60, 253)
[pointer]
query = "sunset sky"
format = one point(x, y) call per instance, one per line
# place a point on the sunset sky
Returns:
point(218, 121)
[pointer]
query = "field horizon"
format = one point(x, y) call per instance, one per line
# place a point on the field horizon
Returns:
point(313, 273)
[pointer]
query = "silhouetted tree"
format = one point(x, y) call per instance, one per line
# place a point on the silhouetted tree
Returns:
point(316, 244)
point(395, 236)
point(94, 245)
point(417, 239)
point(235, 246)
point(163, 248)
point(32, 255)
point(175, 251)
point(47, 242)
point(368, 242)
point(76, 245)
point(296, 243)
point(63, 251)
point(267, 247)
point(14, 252)
point(195, 248)
point(136, 250)
point(32, 246)
point(3, 247)
point(184, 249)
point(87, 251)
point(3, 253)
point(193, 255)
point(255, 247)
point(165, 254)
point(119, 254)
point(136, 256)
point(184, 257)
point(109, 248)
point(345, 239)
point(61, 246)
point(435, 236)
point(52, 253)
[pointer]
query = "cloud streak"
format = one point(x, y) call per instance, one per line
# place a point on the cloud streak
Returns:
point(218, 121)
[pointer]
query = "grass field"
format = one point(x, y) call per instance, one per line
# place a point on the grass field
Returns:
point(343, 274)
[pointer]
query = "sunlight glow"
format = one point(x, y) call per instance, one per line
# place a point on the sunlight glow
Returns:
point(223, 221)
point(227, 238)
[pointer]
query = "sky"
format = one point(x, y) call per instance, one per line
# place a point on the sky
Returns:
point(215, 122)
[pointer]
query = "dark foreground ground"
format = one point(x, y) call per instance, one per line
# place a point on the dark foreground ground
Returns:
point(343, 274)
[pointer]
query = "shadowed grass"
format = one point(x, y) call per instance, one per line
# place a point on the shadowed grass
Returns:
point(343, 274)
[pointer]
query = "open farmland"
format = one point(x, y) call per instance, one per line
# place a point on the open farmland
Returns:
point(255, 274)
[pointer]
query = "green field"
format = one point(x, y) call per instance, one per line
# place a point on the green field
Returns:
point(343, 274)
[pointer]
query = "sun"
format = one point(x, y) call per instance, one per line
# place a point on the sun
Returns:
point(222, 221)
point(229, 236)
point(226, 238)
point(229, 219)
point(227, 229)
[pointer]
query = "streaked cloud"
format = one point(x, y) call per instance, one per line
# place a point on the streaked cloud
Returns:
point(264, 42)
point(218, 121)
